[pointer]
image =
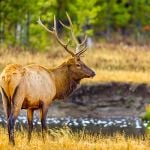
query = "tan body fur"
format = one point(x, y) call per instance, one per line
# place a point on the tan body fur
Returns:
point(35, 83)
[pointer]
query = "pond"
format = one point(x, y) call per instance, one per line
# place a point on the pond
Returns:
point(130, 126)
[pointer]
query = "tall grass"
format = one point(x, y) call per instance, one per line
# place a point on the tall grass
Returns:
point(64, 139)
point(111, 62)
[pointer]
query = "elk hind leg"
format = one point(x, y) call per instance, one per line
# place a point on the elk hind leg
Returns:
point(43, 114)
point(30, 122)
point(16, 105)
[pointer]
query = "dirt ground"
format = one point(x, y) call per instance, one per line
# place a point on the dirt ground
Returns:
point(102, 100)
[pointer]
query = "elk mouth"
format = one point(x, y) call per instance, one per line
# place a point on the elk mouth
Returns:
point(91, 75)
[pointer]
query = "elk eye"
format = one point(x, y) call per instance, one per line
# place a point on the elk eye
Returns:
point(78, 65)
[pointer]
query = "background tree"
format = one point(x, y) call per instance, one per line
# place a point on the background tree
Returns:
point(100, 18)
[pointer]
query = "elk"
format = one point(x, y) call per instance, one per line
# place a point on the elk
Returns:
point(34, 87)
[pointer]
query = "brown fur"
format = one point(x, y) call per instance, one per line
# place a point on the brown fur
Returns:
point(35, 87)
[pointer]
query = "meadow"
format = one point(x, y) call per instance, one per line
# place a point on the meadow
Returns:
point(64, 139)
point(111, 62)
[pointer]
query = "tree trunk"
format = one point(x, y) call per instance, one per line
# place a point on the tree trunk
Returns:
point(17, 33)
point(2, 31)
point(108, 20)
point(26, 33)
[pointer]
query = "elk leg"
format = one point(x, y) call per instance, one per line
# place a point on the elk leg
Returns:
point(30, 122)
point(43, 113)
point(6, 103)
point(11, 123)
point(17, 100)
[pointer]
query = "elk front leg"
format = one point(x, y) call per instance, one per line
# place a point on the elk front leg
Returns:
point(30, 122)
point(43, 113)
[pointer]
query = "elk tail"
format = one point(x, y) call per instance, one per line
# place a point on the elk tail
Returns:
point(14, 94)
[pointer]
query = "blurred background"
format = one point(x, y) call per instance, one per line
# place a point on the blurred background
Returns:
point(110, 20)
point(119, 51)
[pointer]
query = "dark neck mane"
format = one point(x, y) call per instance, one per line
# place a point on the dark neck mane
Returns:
point(65, 85)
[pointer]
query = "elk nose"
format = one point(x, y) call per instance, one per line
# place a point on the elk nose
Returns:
point(93, 74)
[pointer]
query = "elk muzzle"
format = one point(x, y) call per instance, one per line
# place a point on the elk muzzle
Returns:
point(89, 72)
point(92, 74)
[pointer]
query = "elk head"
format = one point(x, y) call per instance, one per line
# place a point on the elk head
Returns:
point(78, 69)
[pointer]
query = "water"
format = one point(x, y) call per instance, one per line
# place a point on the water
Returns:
point(107, 126)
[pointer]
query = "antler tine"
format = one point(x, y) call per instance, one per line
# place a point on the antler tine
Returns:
point(84, 48)
point(71, 28)
point(40, 23)
point(64, 25)
point(84, 41)
point(81, 51)
point(54, 32)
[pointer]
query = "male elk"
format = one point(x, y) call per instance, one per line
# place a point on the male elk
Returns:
point(35, 87)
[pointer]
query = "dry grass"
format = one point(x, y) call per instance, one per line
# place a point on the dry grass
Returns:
point(120, 63)
point(64, 139)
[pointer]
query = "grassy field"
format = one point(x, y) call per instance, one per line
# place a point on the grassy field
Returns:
point(120, 63)
point(64, 139)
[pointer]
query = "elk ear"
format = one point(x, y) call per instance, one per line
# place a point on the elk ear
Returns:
point(69, 63)
point(78, 59)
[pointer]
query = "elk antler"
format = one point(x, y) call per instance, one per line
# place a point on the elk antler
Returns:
point(54, 32)
point(78, 45)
